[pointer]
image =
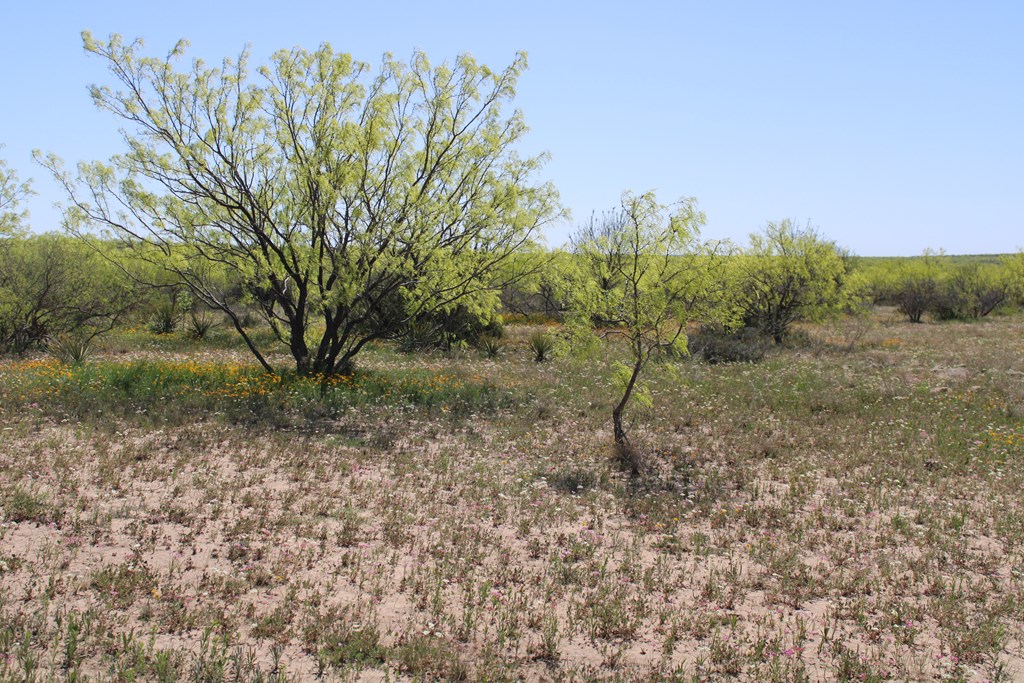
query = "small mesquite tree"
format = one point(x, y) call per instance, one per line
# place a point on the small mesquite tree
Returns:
point(54, 286)
point(1013, 266)
point(914, 284)
point(538, 285)
point(643, 273)
point(788, 274)
point(347, 202)
point(50, 286)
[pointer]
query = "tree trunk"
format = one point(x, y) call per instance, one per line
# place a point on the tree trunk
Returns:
point(620, 433)
point(619, 430)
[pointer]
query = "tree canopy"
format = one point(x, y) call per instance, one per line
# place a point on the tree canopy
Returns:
point(788, 274)
point(643, 275)
point(12, 192)
point(347, 201)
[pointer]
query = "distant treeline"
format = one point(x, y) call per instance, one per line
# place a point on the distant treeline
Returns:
point(54, 286)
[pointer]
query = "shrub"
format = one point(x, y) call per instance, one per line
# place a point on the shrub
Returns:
point(717, 344)
point(446, 330)
point(971, 291)
point(914, 297)
point(630, 458)
point(915, 284)
point(788, 275)
point(572, 480)
point(948, 304)
point(416, 335)
point(52, 285)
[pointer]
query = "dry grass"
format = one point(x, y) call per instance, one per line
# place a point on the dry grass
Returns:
point(849, 509)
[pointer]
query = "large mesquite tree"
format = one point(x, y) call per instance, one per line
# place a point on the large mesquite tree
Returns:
point(346, 201)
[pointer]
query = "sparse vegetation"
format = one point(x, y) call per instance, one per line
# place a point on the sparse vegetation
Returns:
point(835, 512)
point(812, 488)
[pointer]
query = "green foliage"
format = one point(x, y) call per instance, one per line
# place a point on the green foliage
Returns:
point(946, 287)
point(342, 203)
point(1014, 272)
point(71, 349)
point(622, 378)
point(972, 291)
point(913, 286)
point(491, 345)
point(542, 345)
point(52, 285)
point(786, 275)
point(12, 192)
point(173, 393)
point(720, 344)
point(536, 286)
point(642, 275)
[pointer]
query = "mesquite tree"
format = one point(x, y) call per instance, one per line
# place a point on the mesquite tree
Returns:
point(12, 192)
point(644, 274)
point(347, 202)
point(788, 274)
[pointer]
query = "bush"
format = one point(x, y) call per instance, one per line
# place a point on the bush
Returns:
point(720, 345)
point(572, 479)
point(788, 275)
point(52, 285)
point(165, 318)
point(446, 330)
point(914, 296)
point(948, 304)
point(921, 285)
point(972, 291)
point(417, 335)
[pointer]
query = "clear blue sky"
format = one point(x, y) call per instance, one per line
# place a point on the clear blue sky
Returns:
point(892, 126)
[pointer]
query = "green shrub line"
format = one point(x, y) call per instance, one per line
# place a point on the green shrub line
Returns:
point(180, 391)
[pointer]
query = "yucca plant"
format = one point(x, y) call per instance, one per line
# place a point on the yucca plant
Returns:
point(71, 349)
point(200, 323)
point(165, 318)
point(491, 345)
point(543, 346)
